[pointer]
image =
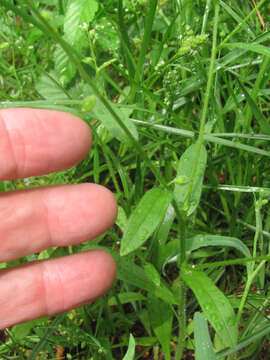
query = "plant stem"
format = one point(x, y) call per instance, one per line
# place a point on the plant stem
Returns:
point(181, 321)
point(247, 287)
point(231, 262)
point(205, 104)
point(181, 217)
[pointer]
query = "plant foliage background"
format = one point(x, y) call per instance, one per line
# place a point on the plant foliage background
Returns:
point(177, 96)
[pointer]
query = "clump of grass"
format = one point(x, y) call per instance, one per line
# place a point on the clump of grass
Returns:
point(176, 96)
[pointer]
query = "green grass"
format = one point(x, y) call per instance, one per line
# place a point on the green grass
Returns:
point(181, 117)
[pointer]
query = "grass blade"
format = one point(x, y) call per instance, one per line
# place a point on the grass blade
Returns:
point(206, 137)
point(256, 48)
point(245, 342)
point(199, 241)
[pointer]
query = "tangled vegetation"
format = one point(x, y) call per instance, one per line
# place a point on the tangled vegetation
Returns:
point(177, 97)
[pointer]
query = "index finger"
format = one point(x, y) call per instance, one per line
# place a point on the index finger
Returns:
point(35, 142)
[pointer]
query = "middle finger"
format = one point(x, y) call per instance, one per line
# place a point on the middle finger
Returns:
point(35, 219)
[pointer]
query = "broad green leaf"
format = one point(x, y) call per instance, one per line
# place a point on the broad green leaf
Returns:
point(49, 87)
point(78, 12)
point(203, 344)
point(134, 275)
point(185, 168)
point(145, 219)
point(161, 317)
point(165, 227)
point(216, 307)
point(106, 118)
point(107, 35)
point(20, 331)
point(88, 103)
point(152, 273)
point(121, 220)
point(64, 68)
point(131, 349)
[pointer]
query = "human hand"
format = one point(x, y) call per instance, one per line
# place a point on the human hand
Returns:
point(35, 142)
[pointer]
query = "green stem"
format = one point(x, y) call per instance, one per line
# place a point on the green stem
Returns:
point(205, 16)
point(181, 217)
point(205, 104)
point(231, 262)
point(181, 321)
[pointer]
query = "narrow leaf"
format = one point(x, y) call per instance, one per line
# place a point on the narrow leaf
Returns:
point(216, 307)
point(258, 49)
point(131, 349)
point(203, 345)
point(145, 219)
point(184, 171)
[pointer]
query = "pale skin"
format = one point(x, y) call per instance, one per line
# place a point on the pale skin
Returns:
point(35, 142)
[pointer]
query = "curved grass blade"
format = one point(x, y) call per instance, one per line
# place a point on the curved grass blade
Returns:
point(198, 241)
